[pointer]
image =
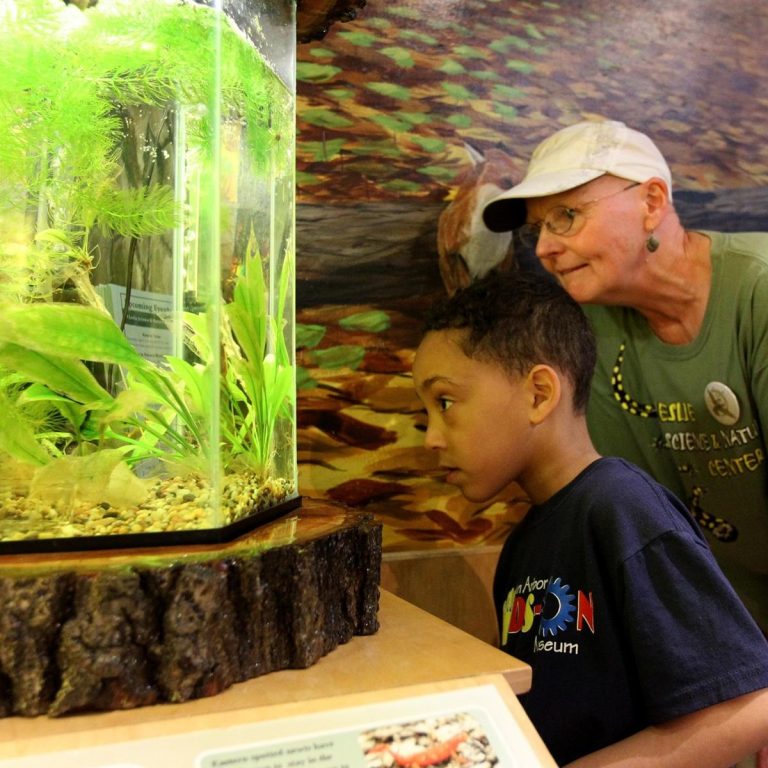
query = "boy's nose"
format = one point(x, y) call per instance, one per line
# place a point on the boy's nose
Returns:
point(433, 439)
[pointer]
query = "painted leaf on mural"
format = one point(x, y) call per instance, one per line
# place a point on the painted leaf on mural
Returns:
point(309, 334)
point(401, 56)
point(359, 38)
point(373, 321)
point(316, 73)
point(326, 118)
point(392, 90)
point(347, 356)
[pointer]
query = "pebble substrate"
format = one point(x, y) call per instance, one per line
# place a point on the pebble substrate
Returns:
point(172, 504)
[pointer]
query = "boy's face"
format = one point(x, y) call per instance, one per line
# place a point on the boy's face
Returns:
point(477, 416)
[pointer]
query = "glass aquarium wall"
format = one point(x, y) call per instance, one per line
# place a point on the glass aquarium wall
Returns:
point(147, 377)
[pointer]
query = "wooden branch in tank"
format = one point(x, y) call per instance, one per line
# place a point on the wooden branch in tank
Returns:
point(315, 17)
point(105, 632)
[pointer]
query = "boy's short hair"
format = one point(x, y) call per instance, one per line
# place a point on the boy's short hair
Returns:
point(520, 319)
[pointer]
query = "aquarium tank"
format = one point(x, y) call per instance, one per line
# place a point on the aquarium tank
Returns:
point(147, 372)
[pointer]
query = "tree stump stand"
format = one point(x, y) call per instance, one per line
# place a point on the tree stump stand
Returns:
point(128, 628)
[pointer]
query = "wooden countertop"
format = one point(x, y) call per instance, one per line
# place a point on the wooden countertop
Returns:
point(412, 647)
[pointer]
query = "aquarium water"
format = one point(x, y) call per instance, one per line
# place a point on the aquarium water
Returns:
point(147, 374)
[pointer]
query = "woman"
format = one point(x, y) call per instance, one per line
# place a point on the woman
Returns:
point(681, 386)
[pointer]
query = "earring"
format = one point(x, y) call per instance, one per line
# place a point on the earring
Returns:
point(652, 244)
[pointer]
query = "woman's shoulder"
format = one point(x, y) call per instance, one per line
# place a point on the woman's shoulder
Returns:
point(740, 272)
point(750, 249)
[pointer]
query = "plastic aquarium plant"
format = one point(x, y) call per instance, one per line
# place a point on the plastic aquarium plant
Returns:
point(146, 272)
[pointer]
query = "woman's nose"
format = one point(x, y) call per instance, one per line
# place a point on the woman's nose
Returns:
point(548, 246)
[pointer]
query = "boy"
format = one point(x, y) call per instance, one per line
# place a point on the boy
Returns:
point(642, 654)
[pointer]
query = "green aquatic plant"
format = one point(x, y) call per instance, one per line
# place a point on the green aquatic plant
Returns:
point(97, 110)
point(255, 375)
point(162, 412)
point(79, 96)
point(19, 437)
point(44, 346)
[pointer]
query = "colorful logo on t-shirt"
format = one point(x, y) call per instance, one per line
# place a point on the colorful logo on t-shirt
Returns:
point(547, 607)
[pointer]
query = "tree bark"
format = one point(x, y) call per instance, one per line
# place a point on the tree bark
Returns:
point(116, 630)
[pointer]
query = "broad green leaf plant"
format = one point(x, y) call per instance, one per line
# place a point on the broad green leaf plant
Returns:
point(52, 407)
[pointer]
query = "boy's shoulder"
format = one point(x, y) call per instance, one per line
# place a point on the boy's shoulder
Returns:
point(617, 477)
point(619, 496)
point(616, 474)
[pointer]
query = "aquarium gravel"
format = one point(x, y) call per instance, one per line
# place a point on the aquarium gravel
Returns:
point(172, 504)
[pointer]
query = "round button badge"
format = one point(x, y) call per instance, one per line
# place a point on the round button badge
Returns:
point(722, 403)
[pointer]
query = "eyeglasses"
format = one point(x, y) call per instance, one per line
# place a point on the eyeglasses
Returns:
point(561, 220)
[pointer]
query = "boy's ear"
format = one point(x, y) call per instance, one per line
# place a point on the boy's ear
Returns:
point(545, 390)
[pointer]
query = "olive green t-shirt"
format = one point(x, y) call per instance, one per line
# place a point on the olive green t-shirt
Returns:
point(695, 415)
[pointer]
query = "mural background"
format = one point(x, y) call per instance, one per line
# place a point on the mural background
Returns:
point(387, 103)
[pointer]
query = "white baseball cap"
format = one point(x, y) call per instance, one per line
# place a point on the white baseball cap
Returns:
point(572, 157)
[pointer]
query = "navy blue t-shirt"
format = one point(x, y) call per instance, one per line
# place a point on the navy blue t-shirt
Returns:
point(610, 592)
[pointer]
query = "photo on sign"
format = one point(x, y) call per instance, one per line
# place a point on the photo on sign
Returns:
point(450, 740)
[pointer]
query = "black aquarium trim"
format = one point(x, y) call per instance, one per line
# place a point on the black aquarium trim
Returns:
point(153, 539)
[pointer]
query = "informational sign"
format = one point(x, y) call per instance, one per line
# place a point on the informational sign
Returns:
point(456, 729)
point(147, 325)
